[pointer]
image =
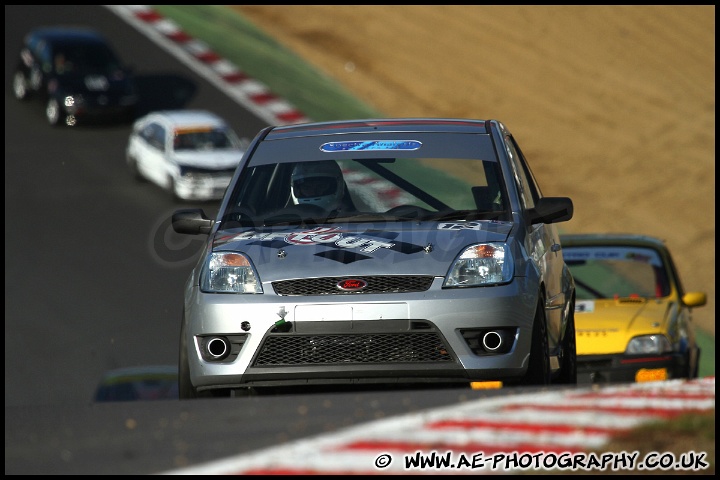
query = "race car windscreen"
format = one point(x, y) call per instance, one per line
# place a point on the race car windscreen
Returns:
point(426, 187)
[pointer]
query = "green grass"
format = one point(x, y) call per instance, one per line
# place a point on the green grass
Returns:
point(233, 37)
point(707, 354)
point(318, 96)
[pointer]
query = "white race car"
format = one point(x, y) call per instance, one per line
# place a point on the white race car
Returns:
point(191, 153)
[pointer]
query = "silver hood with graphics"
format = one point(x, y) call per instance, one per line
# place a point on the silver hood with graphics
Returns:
point(398, 248)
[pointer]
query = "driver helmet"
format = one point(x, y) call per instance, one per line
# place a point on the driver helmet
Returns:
point(317, 183)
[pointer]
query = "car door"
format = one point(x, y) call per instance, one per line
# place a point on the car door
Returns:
point(152, 151)
point(542, 243)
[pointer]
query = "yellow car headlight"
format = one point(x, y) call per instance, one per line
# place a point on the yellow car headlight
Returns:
point(649, 345)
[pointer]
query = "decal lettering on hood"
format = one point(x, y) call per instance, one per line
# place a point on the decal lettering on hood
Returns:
point(316, 236)
point(484, 225)
point(460, 225)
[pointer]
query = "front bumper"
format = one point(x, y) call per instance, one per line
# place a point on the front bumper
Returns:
point(210, 187)
point(430, 336)
point(619, 368)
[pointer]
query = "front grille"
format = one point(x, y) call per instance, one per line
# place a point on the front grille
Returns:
point(375, 284)
point(383, 348)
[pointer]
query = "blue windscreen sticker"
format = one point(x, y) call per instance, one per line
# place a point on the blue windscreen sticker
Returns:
point(371, 145)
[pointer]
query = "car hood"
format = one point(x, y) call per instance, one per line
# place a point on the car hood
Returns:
point(212, 159)
point(397, 248)
point(606, 326)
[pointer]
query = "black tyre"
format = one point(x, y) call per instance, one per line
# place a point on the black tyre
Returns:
point(538, 371)
point(694, 368)
point(568, 351)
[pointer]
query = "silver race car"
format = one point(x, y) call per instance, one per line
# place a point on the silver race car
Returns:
point(384, 252)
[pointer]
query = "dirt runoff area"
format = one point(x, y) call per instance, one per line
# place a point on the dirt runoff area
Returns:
point(614, 106)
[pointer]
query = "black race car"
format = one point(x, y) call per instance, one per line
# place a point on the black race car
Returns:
point(76, 74)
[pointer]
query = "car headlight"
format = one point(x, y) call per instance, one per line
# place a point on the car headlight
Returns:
point(226, 272)
point(480, 265)
point(649, 344)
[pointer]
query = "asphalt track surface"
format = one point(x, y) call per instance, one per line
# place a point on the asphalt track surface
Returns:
point(93, 281)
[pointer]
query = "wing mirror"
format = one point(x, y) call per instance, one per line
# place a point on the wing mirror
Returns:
point(551, 210)
point(192, 221)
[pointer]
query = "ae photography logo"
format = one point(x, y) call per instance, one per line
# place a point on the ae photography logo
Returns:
point(574, 461)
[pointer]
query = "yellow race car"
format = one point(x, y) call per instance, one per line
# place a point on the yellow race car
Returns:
point(633, 319)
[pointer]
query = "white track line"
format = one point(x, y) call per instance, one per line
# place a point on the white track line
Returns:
point(250, 93)
point(521, 423)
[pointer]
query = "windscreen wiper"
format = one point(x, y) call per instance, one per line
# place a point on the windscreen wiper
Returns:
point(463, 215)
